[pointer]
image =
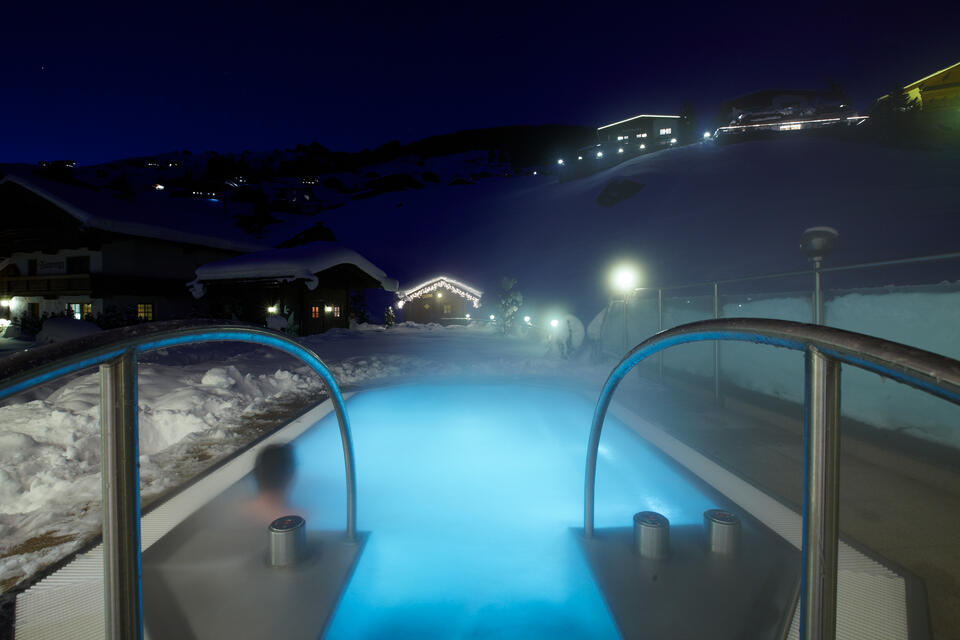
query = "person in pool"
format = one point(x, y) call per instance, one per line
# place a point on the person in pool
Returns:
point(273, 473)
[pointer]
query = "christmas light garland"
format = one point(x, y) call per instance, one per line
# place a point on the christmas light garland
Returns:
point(441, 283)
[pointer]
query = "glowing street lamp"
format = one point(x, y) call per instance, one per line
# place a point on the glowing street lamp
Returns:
point(493, 317)
point(554, 323)
point(272, 310)
point(599, 154)
point(624, 280)
point(526, 319)
point(560, 161)
point(706, 135)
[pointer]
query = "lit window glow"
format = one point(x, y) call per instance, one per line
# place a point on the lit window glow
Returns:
point(643, 146)
point(328, 309)
point(620, 150)
point(666, 131)
point(673, 141)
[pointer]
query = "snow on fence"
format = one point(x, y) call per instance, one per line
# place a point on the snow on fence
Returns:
point(927, 317)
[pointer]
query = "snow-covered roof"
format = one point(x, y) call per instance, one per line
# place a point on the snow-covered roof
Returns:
point(297, 263)
point(464, 290)
point(155, 215)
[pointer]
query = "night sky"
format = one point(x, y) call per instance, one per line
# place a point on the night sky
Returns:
point(93, 84)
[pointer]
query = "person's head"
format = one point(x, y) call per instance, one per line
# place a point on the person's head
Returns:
point(274, 469)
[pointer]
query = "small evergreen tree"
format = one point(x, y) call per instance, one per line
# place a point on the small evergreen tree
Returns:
point(388, 318)
point(510, 301)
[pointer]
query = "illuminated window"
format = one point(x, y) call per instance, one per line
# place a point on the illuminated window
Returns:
point(336, 312)
point(666, 132)
point(793, 126)
point(314, 312)
point(447, 308)
point(80, 310)
point(145, 311)
point(642, 135)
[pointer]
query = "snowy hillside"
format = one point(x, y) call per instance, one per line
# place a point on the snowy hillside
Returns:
point(701, 212)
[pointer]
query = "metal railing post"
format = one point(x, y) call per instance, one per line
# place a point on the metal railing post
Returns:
point(716, 344)
point(817, 294)
point(660, 327)
point(821, 496)
point(120, 481)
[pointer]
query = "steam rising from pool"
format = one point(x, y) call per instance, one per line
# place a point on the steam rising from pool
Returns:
point(469, 492)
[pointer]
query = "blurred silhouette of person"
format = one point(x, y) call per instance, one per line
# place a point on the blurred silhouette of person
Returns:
point(273, 472)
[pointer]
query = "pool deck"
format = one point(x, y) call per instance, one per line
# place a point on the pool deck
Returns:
point(897, 500)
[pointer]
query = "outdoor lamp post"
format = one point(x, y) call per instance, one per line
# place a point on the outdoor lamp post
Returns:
point(818, 243)
point(624, 280)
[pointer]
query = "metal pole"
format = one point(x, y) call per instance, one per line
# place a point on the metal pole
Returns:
point(716, 345)
point(821, 497)
point(660, 327)
point(817, 293)
point(626, 339)
point(120, 481)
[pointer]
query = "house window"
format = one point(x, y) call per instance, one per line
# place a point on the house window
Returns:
point(447, 308)
point(314, 312)
point(80, 310)
point(145, 311)
point(336, 312)
point(667, 131)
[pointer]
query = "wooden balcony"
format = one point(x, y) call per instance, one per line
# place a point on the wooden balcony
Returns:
point(59, 285)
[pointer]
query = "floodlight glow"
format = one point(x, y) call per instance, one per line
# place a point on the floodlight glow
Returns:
point(706, 135)
point(620, 150)
point(526, 319)
point(493, 317)
point(534, 173)
point(643, 146)
point(4, 303)
point(599, 154)
point(624, 278)
point(673, 141)
point(272, 309)
point(559, 160)
point(328, 309)
point(468, 316)
point(159, 187)
point(554, 323)
point(579, 157)
point(4, 323)
point(439, 294)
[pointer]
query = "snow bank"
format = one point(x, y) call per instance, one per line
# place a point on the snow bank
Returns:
point(60, 329)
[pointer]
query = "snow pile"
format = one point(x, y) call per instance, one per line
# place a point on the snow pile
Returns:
point(60, 329)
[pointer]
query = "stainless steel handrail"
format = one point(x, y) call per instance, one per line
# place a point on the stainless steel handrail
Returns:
point(825, 349)
point(116, 352)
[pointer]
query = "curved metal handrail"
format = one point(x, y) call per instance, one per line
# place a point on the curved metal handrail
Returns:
point(115, 351)
point(826, 347)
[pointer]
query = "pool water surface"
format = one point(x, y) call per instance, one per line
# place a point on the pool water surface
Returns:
point(469, 492)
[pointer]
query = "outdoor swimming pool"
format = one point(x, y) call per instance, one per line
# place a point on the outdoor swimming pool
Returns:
point(469, 492)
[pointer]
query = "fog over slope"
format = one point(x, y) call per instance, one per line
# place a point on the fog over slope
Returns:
point(703, 212)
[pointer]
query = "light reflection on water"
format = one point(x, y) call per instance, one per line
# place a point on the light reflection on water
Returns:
point(469, 492)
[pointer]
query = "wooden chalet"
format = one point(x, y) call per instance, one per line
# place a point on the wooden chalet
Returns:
point(442, 299)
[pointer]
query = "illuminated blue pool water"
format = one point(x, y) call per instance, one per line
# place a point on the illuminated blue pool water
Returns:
point(469, 492)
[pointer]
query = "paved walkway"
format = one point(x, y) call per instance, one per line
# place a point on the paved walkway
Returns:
point(896, 500)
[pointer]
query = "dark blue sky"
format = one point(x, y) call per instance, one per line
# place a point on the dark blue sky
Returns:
point(93, 83)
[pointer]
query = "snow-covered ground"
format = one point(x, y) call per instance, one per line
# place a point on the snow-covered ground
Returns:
point(200, 403)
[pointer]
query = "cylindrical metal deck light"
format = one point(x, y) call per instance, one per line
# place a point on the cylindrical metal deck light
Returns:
point(288, 540)
point(722, 530)
point(651, 535)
